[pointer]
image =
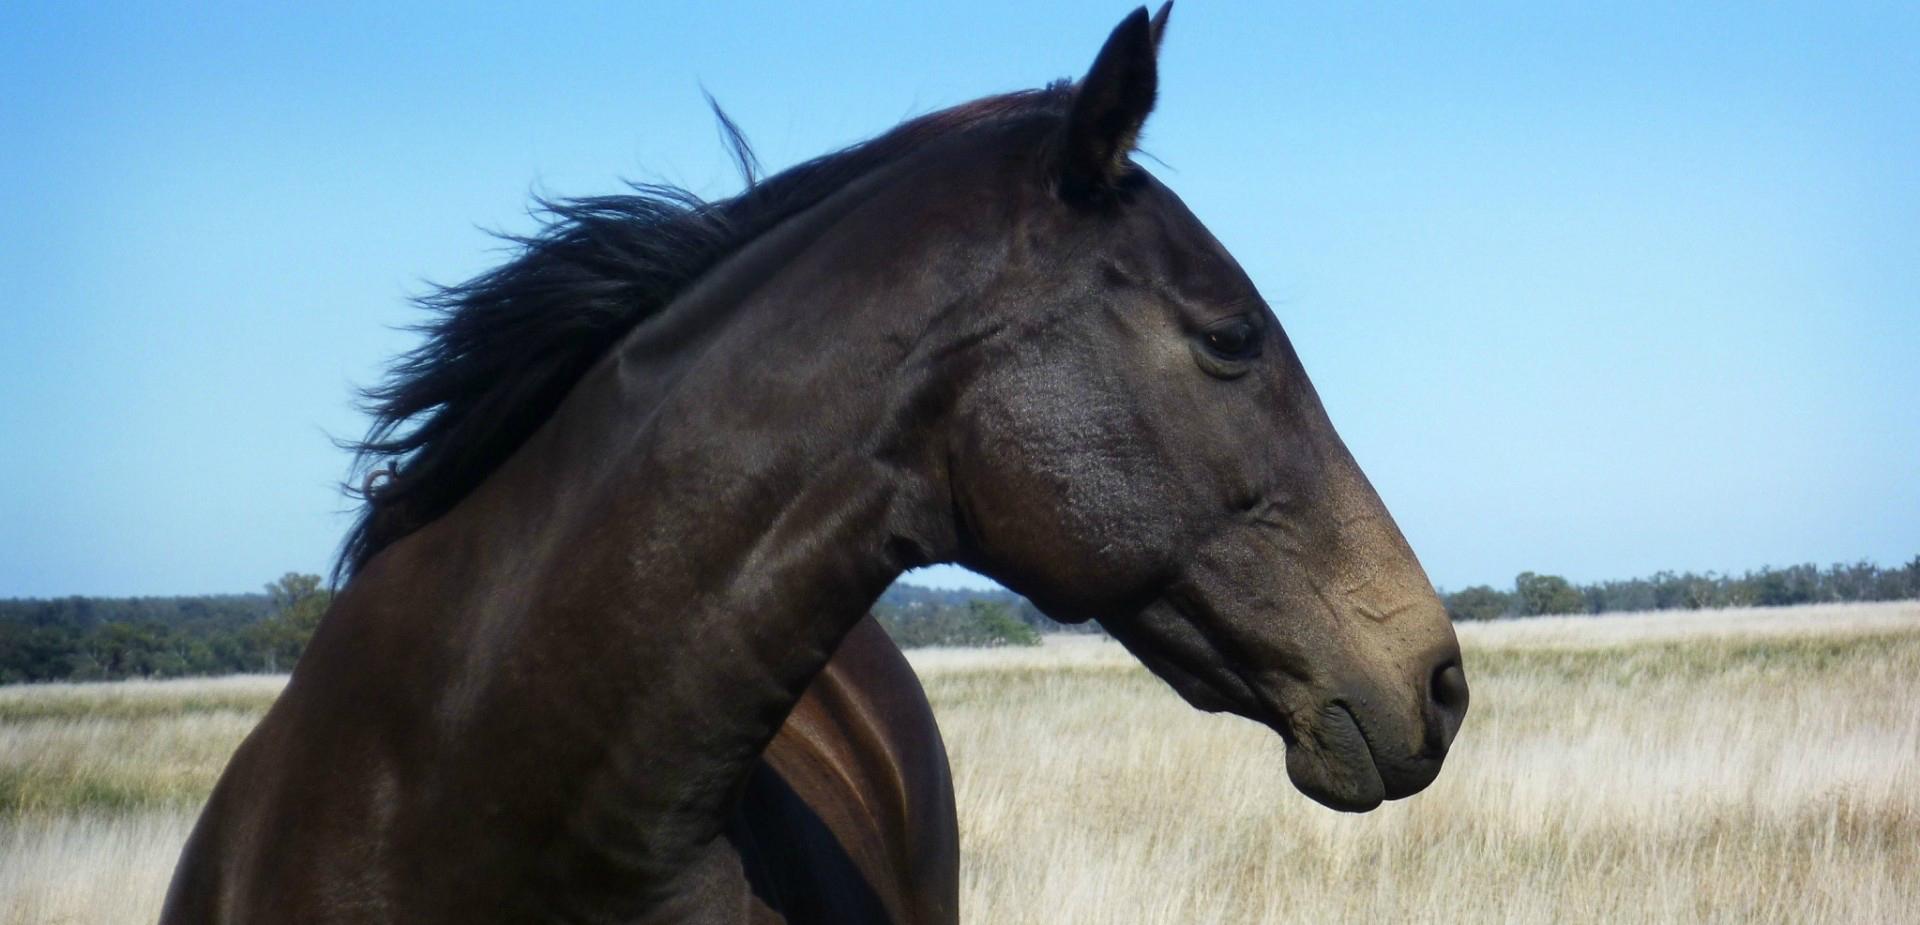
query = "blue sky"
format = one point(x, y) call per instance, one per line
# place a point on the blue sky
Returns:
point(1591, 292)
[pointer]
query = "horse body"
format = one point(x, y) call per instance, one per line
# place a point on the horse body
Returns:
point(602, 654)
point(476, 729)
point(847, 817)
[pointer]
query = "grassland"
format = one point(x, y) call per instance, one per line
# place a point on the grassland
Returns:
point(1733, 766)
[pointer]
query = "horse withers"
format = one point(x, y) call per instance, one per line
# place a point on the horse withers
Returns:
point(600, 652)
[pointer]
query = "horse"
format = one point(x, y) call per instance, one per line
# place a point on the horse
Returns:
point(600, 650)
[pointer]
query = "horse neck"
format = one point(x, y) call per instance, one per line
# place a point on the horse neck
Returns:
point(709, 513)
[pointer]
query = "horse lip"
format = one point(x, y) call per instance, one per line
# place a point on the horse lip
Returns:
point(1315, 763)
point(1346, 782)
point(1261, 694)
point(1366, 741)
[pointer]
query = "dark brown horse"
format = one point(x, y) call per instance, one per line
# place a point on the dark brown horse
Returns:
point(650, 475)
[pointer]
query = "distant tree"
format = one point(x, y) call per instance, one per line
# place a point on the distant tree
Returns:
point(1699, 592)
point(971, 622)
point(1898, 583)
point(299, 603)
point(1771, 588)
point(1479, 602)
point(1546, 594)
point(997, 624)
point(291, 589)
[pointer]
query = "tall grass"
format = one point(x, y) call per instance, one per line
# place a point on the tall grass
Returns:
point(1759, 766)
point(1731, 767)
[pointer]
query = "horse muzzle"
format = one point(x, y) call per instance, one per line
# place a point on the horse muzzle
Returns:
point(1349, 757)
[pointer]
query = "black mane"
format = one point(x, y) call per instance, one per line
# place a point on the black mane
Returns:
point(504, 348)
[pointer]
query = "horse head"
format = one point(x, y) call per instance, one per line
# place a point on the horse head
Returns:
point(1142, 446)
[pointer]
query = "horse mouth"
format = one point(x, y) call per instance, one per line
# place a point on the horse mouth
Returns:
point(1330, 757)
point(1330, 760)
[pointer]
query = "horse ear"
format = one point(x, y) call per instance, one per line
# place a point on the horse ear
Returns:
point(1109, 106)
point(1160, 24)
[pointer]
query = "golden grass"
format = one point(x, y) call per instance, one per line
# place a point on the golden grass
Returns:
point(1739, 766)
point(88, 868)
point(1731, 767)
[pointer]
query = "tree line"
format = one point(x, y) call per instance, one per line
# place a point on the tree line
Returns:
point(100, 638)
point(916, 616)
point(91, 638)
point(1539, 595)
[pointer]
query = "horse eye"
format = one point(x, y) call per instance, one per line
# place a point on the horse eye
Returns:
point(1233, 339)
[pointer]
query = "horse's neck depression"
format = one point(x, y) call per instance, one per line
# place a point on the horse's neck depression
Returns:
point(645, 588)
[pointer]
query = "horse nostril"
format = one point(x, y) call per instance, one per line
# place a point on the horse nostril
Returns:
point(1450, 696)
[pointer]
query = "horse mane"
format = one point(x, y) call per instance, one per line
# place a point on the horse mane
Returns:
point(503, 349)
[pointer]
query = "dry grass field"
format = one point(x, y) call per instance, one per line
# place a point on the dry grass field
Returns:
point(1734, 766)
